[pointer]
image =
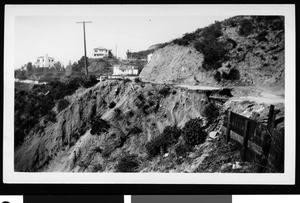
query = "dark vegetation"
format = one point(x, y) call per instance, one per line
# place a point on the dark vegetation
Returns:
point(193, 132)
point(165, 91)
point(145, 53)
point(233, 74)
point(246, 27)
point(42, 74)
point(112, 105)
point(135, 130)
point(62, 104)
point(216, 51)
point(211, 112)
point(128, 163)
point(181, 149)
point(99, 125)
point(206, 41)
point(137, 80)
point(161, 143)
point(102, 66)
point(118, 113)
point(32, 105)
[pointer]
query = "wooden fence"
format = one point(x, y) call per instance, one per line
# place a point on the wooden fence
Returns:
point(259, 143)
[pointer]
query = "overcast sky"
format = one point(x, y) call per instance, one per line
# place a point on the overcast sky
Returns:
point(32, 31)
point(60, 37)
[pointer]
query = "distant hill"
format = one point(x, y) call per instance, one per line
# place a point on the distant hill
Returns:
point(242, 50)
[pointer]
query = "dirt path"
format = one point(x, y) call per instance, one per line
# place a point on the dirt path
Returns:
point(245, 93)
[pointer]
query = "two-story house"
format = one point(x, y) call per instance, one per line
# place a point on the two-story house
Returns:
point(44, 61)
point(100, 52)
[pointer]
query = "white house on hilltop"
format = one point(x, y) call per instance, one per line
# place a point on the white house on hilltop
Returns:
point(44, 61)
point(125, 70)
point(100, 52)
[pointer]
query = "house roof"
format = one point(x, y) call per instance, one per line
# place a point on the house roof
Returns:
point(44, 57)
point(100, 48)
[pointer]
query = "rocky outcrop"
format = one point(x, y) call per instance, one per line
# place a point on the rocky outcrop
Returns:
point(176, 64)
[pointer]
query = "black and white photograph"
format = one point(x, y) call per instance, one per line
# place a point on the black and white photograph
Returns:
point(150, 93)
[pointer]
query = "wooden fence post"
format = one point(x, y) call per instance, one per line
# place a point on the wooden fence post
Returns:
point(228, 127)
point(245, 141)
point(271, 120)
point(267, 138)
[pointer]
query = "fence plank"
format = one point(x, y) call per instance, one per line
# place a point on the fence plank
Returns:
point(245, 141)
point(267, 139)
point(228, 127)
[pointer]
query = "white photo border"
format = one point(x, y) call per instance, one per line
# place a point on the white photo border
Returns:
point(286, 178)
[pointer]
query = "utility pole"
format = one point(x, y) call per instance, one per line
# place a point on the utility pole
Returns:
point(85, 62)
point(116, 51)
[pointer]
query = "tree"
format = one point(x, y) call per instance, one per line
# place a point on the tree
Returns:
point(57, 66)
point(29, 67)
point(110, 55)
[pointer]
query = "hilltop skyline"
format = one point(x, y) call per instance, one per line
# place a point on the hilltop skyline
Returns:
point(62, 38)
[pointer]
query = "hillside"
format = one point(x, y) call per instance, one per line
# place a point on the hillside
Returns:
point(243, 50)
point(168, 121)
point(117, 120)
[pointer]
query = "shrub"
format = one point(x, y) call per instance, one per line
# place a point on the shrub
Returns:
point(164, 91)
point(181, 42)
point(99, 125)
point(130, 113)
point(135, 130)
point(233, 74)
point(112, 104)
point(262, 36)
point(160, 143)
point(278, 24)
point(127, 80)
point(89, 81)
point(214, 52)
point(107, 151)
point(141, 97)
point(62, 104)
point(137, 80)
point(230, 22)
point(128, 163)
point(212, 31)
point(232, 42)
point(193, 133)
point(186, 39)
point(181, 150)
point(245, 27)
point(97, 168)
point(210, 111)
point(117, 113)
point(217, 76)
point(50, 117)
